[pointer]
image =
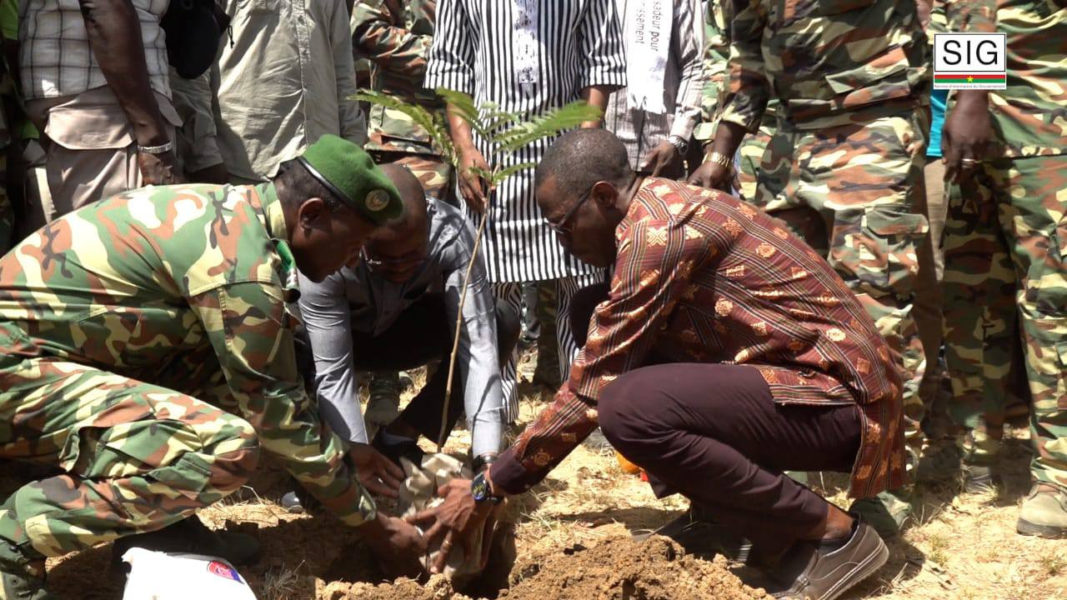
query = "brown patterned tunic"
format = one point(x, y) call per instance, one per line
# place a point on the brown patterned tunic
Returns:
point(703, 277)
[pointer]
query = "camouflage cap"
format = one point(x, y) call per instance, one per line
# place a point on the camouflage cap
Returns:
point(350, 173)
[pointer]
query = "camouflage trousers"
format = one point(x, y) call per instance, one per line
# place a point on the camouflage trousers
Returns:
point(433, 172)
point(855, 192)
point(1005, 249)
point(131, 457)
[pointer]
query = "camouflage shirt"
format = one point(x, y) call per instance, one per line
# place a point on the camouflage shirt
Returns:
point(395, 37)
point(138, 282)
point(829, 62)
point(1030, 116)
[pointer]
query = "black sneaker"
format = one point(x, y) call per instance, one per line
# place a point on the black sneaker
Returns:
point(192, 537)
point(813, 571)
point(21, 576)
point(697, 532)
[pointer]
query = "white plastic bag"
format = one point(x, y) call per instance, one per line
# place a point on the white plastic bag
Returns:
point(419, 492)
point(173, 576)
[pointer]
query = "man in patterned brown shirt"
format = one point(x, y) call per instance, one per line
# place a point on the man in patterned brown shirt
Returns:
point(725, 352)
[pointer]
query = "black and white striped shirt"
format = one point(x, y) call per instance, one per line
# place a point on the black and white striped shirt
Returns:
point(526, 56)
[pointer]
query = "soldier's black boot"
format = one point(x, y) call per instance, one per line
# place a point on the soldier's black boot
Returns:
point(21, 573)
point(190, 536)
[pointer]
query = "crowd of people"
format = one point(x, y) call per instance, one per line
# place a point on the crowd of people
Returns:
point(773, 252)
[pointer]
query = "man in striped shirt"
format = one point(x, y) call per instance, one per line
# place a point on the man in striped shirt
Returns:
point(725, 352)
point(527, 56)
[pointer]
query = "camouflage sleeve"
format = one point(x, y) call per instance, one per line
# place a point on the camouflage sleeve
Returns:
point(246, 325)
point(716, 54)
point(393, 49)
point(747, 87)
point(972, 16)
point(450, 63)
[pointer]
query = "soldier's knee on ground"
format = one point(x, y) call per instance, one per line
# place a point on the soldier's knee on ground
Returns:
point(234, 449)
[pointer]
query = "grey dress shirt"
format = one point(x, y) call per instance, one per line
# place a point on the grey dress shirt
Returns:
point(354, 299)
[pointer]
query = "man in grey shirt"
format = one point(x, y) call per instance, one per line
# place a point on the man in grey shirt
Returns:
point(397, 309)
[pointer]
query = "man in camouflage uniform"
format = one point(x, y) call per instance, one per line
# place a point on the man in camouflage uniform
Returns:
point(1005, 241)
point(716, 57)
point(148, 356)
point(851, 82)
point(395, 36)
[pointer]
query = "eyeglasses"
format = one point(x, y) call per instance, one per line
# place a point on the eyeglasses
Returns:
point(561, 227)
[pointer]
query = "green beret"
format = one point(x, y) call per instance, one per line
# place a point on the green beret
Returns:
point(350, 173)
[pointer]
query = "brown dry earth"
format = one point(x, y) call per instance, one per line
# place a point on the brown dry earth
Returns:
point(621, 568)
point(571, 534)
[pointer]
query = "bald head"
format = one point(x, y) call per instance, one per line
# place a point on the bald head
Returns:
point(413, 219)
point(580, 158)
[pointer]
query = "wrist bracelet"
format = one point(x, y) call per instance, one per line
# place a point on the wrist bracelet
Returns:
point(720, 159)
point(483, 461)
point(160, 149)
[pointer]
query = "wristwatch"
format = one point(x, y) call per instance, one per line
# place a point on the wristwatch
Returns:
point(680, 144)
point(480, 490)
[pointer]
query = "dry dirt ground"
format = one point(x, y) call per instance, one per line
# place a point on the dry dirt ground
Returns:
point(571, 536)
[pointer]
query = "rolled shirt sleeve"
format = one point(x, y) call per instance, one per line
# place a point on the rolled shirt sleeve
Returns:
point(393, 49)
point(451, 63)
point(747, 87)
point(716, 55)
point(601, 46)
point(247, 326)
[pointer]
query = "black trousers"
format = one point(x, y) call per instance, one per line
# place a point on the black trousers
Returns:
point(713, 433)
point(420, 335)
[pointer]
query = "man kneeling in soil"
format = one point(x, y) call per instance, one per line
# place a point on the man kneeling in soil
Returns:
point(134, 331)
point(725, 352)
point(397, 309)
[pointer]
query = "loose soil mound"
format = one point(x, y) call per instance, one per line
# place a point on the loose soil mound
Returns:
point(657, 569)
point(437, 588)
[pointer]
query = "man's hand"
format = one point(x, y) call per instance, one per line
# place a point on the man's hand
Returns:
point(713, 175)
point(458, 516)
point(375, 472)
point(396, 544)
point(472, 186)
point(158, 169)
point(966, 135)
point(663, 160)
